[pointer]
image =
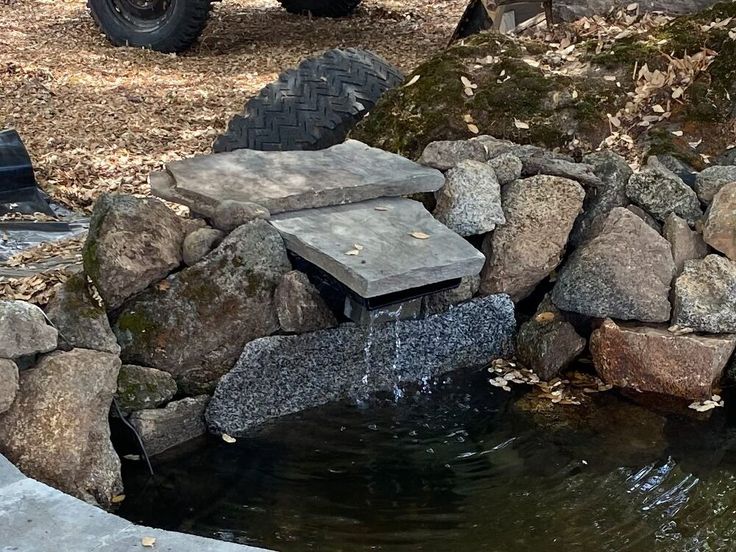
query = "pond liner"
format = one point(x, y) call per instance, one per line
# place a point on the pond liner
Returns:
point(19, 192)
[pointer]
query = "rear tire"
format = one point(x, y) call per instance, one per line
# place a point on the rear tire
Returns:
point(321, 8)
point(313, 106)
point(162, 25)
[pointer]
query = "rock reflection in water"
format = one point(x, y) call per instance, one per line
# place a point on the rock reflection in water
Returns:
point(465, 468)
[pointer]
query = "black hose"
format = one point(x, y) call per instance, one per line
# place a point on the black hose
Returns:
point(135, 432)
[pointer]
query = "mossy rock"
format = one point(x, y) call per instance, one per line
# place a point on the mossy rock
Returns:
point(140, 388)
point(562, 111)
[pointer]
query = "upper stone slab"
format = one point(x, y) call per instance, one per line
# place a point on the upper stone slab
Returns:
point(379, 246)
point(285, 181)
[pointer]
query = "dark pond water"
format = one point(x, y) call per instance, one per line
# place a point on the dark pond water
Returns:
point(459, 467)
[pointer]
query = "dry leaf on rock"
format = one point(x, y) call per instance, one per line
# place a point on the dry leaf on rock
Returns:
point(419, 235)
point(148, 542)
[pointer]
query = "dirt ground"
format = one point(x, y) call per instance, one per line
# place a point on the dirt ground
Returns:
point(97, 118)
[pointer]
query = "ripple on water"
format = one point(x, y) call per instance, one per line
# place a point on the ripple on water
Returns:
point(460, 469)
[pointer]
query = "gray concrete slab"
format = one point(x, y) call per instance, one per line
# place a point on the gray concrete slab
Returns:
point(385, 256)
point(37, 518)
point(290, 180)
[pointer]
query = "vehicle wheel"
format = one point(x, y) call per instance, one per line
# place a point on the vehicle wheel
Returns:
point(321, 8)
point(313, 106)
point(163, 25)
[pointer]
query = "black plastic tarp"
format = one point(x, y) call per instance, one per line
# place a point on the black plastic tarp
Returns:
point(19, 191)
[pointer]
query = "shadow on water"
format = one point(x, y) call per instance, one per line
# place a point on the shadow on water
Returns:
point(459, 468)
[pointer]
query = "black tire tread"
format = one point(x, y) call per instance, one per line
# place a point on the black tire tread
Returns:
point(321, 8)
point(195, 20)
point(313, 106)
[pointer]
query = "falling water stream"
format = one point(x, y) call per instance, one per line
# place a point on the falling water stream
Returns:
point(464, 468)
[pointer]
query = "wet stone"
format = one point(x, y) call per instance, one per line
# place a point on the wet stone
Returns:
point(280, 375)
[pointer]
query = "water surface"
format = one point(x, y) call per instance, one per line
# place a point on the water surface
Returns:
point(458, 467)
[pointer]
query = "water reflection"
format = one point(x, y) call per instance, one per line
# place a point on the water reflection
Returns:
point(464, 468)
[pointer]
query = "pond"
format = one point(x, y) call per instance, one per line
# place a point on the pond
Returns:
point(457, 466)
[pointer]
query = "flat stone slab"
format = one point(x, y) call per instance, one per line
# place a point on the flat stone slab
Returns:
point(289, 180)
point(36, 518)
point(385, 257)
point(281, 375)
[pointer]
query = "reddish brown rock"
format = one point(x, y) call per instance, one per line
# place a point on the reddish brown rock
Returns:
point(720, 224)
point(646, 358)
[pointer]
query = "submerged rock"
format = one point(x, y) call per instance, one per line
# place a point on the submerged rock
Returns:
point(196, 322)
point(470, 201)
point(540, 212)
point(163, 428)
point(132, 243)
point(24, 331)
point(653, 359)
point(686, 244)
point(300, 307)
point(57, 429)
point(140, 387)
point(720, 226)
point(705, 295)
point(81, 322)
point(547, 342)
point(624, 272)
point(613, 172)
point(660, 192)
point(711, 180)
point(281, 375)
point(8, 383)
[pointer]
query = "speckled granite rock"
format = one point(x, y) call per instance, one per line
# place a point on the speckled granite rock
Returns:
point(720, 225)
point(624, 272)
point(8, 383)
point(540, 212)
point(660, 192)
point(445, 154)
point(712, 179)
point(469, 203)
point(280, 375)
point(614, 172)
point(24, 331)
point(705, 295)
point(686, 244)
point(81, 322)
point(507, 167)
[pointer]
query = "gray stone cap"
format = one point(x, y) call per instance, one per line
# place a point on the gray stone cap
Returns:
point(36, 518)
point(370, 248)
point(285, 181)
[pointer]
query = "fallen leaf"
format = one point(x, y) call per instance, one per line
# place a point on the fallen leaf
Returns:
point(419, 235)
point(228, 439)
point(545, 317)
point(413, 80)
point(117, 499)
point(466, 82)
point(474, 129)
point(658, 108)
point(531, 62)
point(381, 208)
point(468, 91)
point(353, 252)
point(358, 246)
point(148, 542)
point(520, 124)
point(677, 133)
